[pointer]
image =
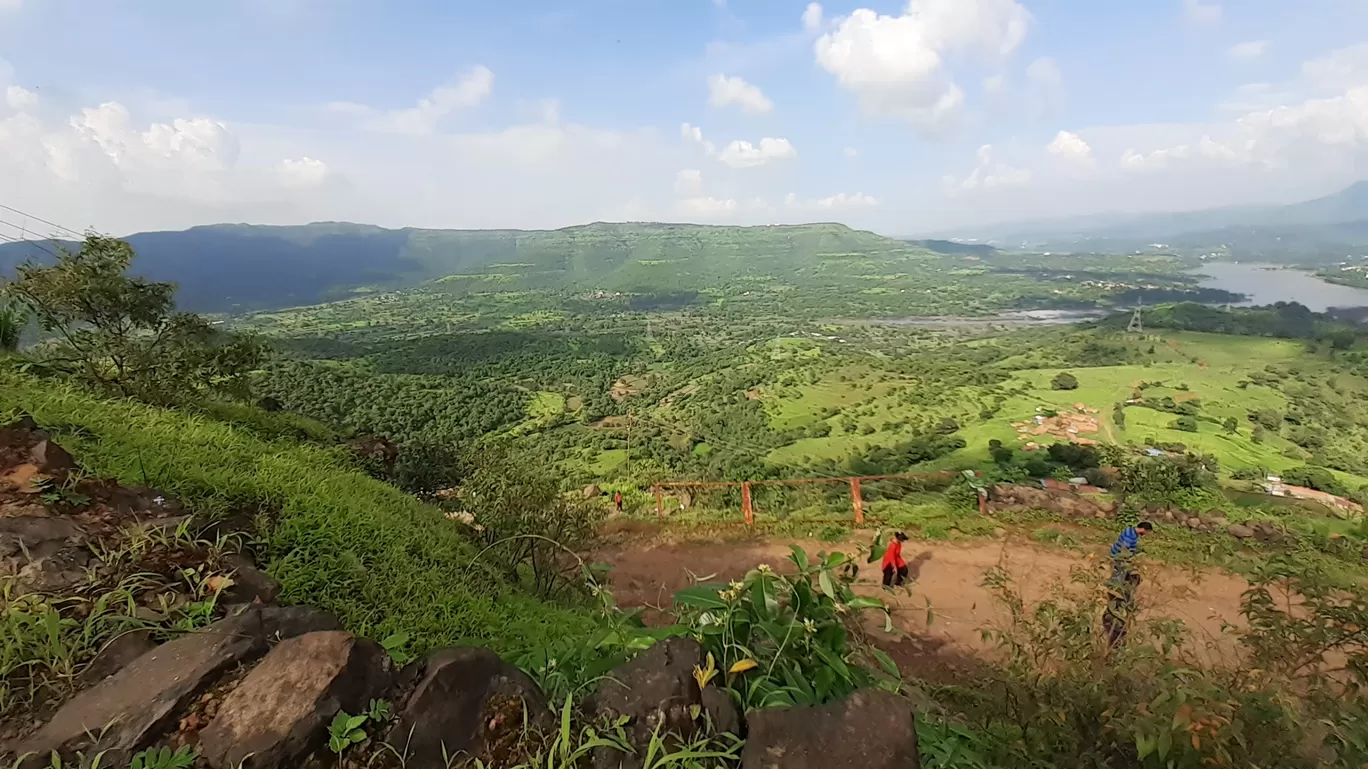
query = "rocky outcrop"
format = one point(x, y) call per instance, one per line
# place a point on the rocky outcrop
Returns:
point(655, 691)
point(1066, 503)
point(279, 713)
point(466, 702)
point(126, 709)
point(871, 729)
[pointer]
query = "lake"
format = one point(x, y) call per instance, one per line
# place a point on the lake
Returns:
point(1265, 284)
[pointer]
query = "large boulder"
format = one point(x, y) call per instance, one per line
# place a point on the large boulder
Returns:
point(872, 729)
point(130, 707)
point(41, 552)
point(51, 459)
point(1239, 531)
point(466, 702)
point(280, 712)
point(657, 690)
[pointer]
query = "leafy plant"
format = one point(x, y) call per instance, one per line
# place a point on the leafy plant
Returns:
point(13, 318)
point(379, 711)
point(396, 646)
point(569, 748)
point(163, 758)
point(345, 731)
point(789, 639)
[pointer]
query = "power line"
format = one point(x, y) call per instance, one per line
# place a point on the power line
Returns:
point(25, 241)
point(41, 219)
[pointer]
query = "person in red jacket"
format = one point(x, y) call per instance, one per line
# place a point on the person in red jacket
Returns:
point(894, 567)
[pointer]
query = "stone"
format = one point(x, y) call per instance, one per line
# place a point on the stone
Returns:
point(722, 712)
point(1194, 522)
point(117, 655)
point(23, 422)
point(51, 459)
point(591, 491)
point(1169, 516)
point(999, 532)
point(655, 690)
point(1239, 531)
point(119, 714)
point(249, 584)
point(42, 553)
point(470, 702)
point(280, 712)
point(872, 729)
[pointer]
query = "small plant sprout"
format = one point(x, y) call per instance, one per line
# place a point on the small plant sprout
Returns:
point(379, 711)
point(163, 758)
point(345, 731)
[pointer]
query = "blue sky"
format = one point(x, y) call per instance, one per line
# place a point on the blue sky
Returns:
point(933, 115)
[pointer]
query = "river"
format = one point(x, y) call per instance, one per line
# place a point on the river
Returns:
point(1268, 283)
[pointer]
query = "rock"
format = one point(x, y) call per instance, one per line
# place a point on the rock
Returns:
point(591, 491)
point(1169, 516)
point(657, 689)
point(999, 532)
point(469, 702)
point(22, 422)
point(1193, 523)
point(42, 553)
point(269, 404)
point(51, 459)
point(872, 729)
point(250, 584)
point(1239, 531)
point(1220, 520)
point(122, 712)
point(117, 655)
point(280, 712)
point(1100, 514)
point(722, 712)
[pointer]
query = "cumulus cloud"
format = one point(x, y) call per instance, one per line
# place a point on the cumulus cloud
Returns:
point(743, 154)
point(1199, 12)
point(692, 134)
point(840, 200)
point(1339, 69)
point(725, 91)
point(20, 99)
point(812, 17)
point(989, 175)
point(689, 181)
point(1045, 84)
point(707, 206)
point(422, 119)
point(302, 172)
point(1071, 148)
point(1250, 50)
point(895, 65)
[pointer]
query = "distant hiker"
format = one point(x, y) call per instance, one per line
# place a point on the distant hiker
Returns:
point(1120, 607)
point(894, 567)
point(617, 500)
point(1126, 547)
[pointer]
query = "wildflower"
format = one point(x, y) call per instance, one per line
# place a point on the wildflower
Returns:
point(736, 586)
point(764, 568)
point(809, 626)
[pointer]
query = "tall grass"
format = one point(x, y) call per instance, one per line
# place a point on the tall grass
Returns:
point(339, 540)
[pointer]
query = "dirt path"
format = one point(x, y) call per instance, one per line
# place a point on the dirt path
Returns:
point(949, 577)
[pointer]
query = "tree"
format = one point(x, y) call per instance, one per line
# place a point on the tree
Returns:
point(1257, 434)
point(1064, 381)
point(1185, 423)
point(1119, 415)
point(13, 319)
point(122, 334)
point(1232, 425)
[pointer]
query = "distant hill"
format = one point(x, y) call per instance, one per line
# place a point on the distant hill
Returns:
point(231, 267)
point(953, 248)
point(1325, 226)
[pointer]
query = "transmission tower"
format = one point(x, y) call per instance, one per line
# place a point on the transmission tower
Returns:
point(1137, 323)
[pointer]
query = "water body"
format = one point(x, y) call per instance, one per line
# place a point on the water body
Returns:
point(1267, 283)
point(1013, 319)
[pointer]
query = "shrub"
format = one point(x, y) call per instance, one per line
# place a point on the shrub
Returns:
point(1317, 478)
point(1186, 424)
point(1064, 381)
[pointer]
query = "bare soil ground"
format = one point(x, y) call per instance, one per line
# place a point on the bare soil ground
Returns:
point(947, 577)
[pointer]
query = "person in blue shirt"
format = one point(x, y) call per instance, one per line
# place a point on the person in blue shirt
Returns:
point(1126, 547)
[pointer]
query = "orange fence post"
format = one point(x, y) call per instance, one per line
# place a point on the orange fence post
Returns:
point(660, 503)
point(855, 501)
point(746, 504)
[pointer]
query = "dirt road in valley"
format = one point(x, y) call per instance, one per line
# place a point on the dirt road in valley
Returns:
point(947, 575)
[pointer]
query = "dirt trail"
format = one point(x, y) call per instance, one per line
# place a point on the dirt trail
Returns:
point(947, 575)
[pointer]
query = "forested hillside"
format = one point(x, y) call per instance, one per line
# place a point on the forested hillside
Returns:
point(236, 267)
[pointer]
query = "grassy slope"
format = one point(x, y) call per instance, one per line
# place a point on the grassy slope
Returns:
point(344, 542)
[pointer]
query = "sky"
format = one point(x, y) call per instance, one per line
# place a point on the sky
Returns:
point(920, 116)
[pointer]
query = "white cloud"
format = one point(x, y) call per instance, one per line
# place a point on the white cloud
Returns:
point(692, 134)
point(1046, 85)
point(705, 206)
point(1339, 69)
point(812, 17)
point(896, 64)
point(20, 99)
point(303, 172)
point(994, 84)
point(840, 200)
point(989, 175)
point(422, 120)
point(851, 153)
point(1071, 148)
point(724, 91)
point(1198, 12)
point(743, 154)
point(689, 181)
point(1250, 50)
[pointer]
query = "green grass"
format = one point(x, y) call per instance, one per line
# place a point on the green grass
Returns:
point(339, 540)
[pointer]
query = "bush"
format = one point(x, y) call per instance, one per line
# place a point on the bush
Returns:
point(1249, 473)
point(1064, 381)
point(1186, 424)
point(1074, 455)
point(1317, 478)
